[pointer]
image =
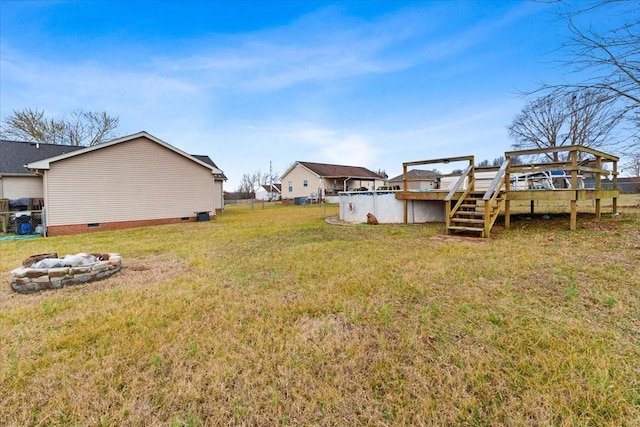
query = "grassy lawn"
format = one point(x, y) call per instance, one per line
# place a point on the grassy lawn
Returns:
point(273, 316)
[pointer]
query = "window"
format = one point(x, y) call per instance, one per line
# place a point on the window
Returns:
point(305, 183)
point(290, 186)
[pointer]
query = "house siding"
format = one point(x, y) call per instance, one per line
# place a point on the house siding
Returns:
point(130, 182)
point(297, 175)
point(218, 196)
point(14, 187)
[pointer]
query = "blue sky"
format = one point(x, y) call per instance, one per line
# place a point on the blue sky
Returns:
point(364, 83)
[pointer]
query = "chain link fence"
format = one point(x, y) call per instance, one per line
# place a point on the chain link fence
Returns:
point(23, 222)
point(624, 187)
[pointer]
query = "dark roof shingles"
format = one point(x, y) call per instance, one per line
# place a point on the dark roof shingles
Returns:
point(15, 154)
point(339, 171)
point(206, 159)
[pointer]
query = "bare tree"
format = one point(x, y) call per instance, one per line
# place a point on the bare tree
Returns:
point(611, 57)
point(251, 182)
point(604, 60)
point(632, 166)
point(247, 187)
point(586, 117)
point(90, 128)
point(77, 128)
point(267, 177)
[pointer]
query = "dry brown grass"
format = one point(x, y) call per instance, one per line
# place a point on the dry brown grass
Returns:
point(272, 316)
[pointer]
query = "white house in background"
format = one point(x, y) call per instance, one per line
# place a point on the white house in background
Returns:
point(307, 179)
point(269, 192)
point(132, 181)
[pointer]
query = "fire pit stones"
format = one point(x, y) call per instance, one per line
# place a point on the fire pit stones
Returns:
point(47, 271)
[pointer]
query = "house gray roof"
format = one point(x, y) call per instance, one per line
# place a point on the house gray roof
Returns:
point(14, 155)
point(45, 163)
point(325, 170)
point(417, 174)
point(207, 160)
point(276, 188)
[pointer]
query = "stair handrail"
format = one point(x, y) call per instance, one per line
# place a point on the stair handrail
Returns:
point(496, 183)
point(457, 183)
point(465, 174)
point(490, 196)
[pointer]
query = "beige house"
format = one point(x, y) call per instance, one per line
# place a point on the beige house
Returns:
point(307, 179)
point(418, 179)
point(131, 181)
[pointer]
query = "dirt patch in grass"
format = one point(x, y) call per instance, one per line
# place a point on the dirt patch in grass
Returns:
point(330, 326)
point(459, 239)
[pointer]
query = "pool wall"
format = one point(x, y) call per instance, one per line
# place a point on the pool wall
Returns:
point(355, 205)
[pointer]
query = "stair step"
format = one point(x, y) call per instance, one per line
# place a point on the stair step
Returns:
point(460, 228)
point(498, 200)
point(468, 220)
point(470, 213)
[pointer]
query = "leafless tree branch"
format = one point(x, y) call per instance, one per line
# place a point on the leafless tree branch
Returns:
point(77, 128)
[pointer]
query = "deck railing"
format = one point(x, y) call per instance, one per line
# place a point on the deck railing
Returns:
point(575, 164)
point(491, 195)
point(467, 175)
point(457, 183)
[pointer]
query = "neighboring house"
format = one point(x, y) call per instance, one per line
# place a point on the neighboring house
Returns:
point(418, 179)
point(131, 181)
point(16, 181)
point(307, 179)
point(269, 192)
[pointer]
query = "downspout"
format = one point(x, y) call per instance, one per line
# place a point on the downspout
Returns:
point(44, 197)
point(344, 184)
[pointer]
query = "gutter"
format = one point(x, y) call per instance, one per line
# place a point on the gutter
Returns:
point(344, 184)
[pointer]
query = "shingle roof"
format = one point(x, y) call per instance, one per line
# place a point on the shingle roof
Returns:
point(339, 171)
point(417, 174)
point(46, 162)
point(15, 154)
point(207, 160)
point(276, 188)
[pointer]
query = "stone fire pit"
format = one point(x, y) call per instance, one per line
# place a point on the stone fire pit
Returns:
point(48, 271)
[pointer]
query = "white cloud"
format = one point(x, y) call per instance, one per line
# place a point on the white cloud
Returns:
point(203, 98)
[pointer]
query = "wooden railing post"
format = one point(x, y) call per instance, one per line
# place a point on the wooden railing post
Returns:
point(598, 176)
point(615, 186)
point(405, 187)
point(447, 215)
point(574, 183)
point(487, 218)
point(507, 187)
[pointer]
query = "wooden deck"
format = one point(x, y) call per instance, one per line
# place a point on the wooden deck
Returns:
point(469, 210)
point(557, 194)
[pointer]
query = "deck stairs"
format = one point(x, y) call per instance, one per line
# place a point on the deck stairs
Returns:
point(475, 215)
